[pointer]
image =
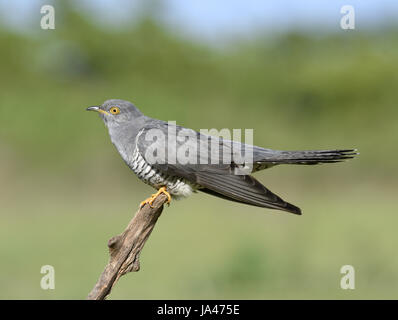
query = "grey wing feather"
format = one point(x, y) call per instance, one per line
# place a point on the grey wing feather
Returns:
point(201, 158)
point(244, 189)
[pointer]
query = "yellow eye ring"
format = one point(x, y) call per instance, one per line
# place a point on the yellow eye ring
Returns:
point(114, 110)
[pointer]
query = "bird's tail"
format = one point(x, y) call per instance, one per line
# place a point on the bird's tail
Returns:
point(309, 157)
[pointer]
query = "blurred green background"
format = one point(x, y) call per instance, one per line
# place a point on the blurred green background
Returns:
point(64, 190)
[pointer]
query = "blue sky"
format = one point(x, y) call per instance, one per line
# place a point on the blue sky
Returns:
point(215, 19)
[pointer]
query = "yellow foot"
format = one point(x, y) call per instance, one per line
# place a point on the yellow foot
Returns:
point(152, 198)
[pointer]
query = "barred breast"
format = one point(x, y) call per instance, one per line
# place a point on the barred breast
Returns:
point(177, 187)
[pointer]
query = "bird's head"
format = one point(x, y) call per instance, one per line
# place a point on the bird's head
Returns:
point(115, 111)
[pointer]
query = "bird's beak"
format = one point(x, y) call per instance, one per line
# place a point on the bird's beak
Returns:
point(98, 109)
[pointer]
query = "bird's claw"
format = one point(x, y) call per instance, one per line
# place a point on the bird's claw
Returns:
point(152, 198)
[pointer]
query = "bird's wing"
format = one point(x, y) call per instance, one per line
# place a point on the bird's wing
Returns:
point(216, 178)
point(184, 151)
point(244, 189)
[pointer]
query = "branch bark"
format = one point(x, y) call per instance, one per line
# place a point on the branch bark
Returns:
point(125, 249)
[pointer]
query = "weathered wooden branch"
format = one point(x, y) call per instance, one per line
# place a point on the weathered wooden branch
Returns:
point(125, 249)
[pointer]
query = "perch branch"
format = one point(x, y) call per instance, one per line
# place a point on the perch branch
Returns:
point(125, 249)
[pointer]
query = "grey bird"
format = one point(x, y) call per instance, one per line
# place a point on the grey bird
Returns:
point(129, 130)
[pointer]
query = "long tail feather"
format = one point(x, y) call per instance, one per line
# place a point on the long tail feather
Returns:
point(309, 157)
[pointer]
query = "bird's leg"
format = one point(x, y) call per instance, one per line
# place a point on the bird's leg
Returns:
point(152, 198)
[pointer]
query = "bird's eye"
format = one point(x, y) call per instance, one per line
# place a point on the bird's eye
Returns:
point(114, 110)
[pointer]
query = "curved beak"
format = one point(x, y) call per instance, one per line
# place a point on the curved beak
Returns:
point(98, 109)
